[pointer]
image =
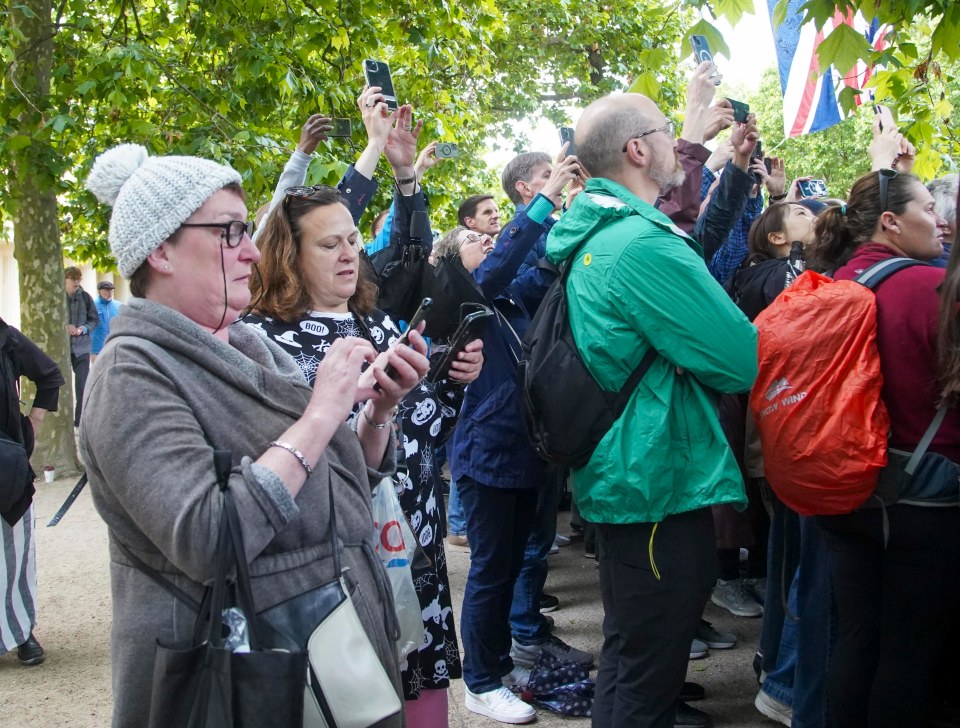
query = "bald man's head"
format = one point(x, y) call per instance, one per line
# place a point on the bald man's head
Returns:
point(606, 125)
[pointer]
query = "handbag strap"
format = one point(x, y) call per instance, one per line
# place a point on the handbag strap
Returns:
point(167, 585)
point(244, 589)
point(927, 438)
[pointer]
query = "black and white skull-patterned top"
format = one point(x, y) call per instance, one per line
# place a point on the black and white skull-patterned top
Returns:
point(427, 416)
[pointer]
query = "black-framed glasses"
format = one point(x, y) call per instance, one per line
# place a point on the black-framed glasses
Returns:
point(884, 176)
point(669, 128)
point(309, 192)
point(234, 230)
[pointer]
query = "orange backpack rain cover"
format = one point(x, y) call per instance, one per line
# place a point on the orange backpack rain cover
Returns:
point(816, 401)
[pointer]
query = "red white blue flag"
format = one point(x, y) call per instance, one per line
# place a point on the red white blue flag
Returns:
point(811, 99)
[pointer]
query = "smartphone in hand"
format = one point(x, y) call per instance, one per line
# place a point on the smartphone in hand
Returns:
point(740, 110)
point(812, 188)
point(701, 53)
point(417, 319)
point(446, 150)
point(470, 328)
point(377, 73)
point(566, 135)
point(758, 154)
point(341, 128)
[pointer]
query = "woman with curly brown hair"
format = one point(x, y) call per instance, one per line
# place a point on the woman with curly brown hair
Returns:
point(311, 292)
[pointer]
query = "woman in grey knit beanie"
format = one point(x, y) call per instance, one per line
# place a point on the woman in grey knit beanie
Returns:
point(178, 378)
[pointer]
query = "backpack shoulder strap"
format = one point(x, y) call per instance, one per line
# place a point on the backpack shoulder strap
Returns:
point(880, 271)
point(637, 374)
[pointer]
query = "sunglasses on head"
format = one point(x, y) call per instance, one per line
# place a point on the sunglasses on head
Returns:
point(884, 176)
point(308, 193)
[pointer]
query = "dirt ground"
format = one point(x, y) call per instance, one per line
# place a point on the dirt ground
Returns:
point(72, 688)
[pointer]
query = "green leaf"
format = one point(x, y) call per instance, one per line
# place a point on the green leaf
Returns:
point(946, 37)
point(27, 12)
point(780, 13)
point(714, 37)
point(733, 10)
point(60, 122)
point(842, 48)
point(928, 164)
point(17, 142)
point(646, 84)
point(848, 100)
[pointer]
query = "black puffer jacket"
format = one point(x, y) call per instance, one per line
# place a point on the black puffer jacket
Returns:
point(754, 286)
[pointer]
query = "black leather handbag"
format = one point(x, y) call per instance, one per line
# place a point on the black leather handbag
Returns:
point(203, 683)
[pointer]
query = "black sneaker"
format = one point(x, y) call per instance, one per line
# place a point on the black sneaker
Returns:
point(30, 652)
point(548, 603)
point(691, 692)
point(688, 717)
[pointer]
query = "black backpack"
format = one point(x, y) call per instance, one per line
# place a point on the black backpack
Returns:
point(565, 410)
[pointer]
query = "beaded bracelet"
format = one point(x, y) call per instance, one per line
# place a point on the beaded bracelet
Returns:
point(296, 453)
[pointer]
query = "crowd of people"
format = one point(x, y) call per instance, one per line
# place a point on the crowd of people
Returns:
point(280, 346)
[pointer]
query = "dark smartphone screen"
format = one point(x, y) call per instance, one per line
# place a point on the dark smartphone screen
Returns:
point(341, 128)
point(470, 328)
point(566, 135)
point(740, 110)
point(415, 321)
point(758, 154)
point(377, 73)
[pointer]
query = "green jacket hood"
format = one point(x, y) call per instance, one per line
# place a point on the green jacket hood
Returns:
point(603, 201)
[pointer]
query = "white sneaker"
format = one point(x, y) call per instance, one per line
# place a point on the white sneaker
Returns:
point(773, 708)
point(501, 705)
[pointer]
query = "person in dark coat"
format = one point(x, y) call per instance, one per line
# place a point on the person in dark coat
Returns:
point(21, 357)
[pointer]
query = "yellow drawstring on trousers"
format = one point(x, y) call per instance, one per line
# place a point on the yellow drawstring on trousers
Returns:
point(653, 564)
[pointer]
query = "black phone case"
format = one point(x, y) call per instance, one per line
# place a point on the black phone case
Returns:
point(470, 328)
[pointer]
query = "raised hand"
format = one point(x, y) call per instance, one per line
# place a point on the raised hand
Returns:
point(314, 131)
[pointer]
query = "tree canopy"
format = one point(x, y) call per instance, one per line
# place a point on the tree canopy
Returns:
point(915, 74)
point(235, 81)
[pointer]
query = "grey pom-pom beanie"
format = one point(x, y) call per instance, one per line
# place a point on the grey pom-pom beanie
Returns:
point(151, 197)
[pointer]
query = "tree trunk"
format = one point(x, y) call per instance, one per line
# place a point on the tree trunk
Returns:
point(36, 233)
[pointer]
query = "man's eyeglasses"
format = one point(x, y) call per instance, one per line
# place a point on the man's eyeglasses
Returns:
point(669, 128)
point(884, 176)
point(234, 230)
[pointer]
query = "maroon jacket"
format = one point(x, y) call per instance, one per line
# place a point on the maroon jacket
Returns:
point(908, 308)
point(682, 204)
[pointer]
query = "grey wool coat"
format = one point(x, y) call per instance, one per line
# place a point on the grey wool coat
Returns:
point(160, 393)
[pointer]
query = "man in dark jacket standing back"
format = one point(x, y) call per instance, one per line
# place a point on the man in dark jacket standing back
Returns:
point(82, 319)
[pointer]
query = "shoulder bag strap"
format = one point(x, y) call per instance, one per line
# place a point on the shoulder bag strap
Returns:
point(881, 270)
point(925, 441)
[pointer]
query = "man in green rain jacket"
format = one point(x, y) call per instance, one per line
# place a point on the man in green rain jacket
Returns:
point(637, 281)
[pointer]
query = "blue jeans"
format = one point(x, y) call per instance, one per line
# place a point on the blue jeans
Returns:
point(498, 524)
point(526, 623)
point(456, 517)
point(783, 557)
point(799, 676)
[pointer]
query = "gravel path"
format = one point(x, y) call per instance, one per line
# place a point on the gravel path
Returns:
point(72, 688)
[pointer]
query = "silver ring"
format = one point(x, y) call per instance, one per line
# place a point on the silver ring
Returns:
point(408, 127)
